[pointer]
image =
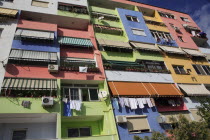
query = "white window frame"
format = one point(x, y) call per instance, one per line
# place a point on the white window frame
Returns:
point(80, 92)
point(136, 29)
point(164, 35)
point(18, 129)
point(132, 18)
point(79, 132)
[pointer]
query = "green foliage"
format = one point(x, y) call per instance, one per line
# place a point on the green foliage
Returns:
point(204, 110)
point(155, 136)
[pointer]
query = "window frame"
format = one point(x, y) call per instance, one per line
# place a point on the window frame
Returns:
point(132, 18)
point(181, 38)
point(80, 92)
point(18, 129)
point(136, 29)
point(164, 35)
point(200, 70)
point(79, 132)
point(185, 19)
point(178, 69)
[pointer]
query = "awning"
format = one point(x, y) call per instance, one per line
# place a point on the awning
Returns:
point(172, 50)
point(40, 3)
point(110, 43)
point(175, 116)
point(142, 46)
point(207, 56)
point(107, 27)
point(34, 34)
point(194, 52)
point(75, 41)
point(78, 60)
point(32, 55)
point(191, 27)
point(122, 63)
point(8, 12)
point(143, 89)
point(29, 84)
point(194, 90)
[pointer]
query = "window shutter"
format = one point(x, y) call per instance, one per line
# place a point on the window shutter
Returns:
point(40, 4)
point(137, 123)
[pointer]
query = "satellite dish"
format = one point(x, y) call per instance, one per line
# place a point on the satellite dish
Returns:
point(100, 18)
point(102, 94)
point(161, 119)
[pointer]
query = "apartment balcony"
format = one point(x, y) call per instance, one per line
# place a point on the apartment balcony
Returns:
point(73, 11)
point(101, 137)
point(157, 27)
point(149, 18)
point(108, 30)
point(201, 41)
point(28, 126)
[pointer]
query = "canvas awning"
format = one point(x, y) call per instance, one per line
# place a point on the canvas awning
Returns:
point(29, 84)
point(172, 50)
point(34, 34)
point(142, 46)
point(194, 52)
point(78, 60)
point(8, 12)
point(175, 116)
point(110, 43)
point(122, 63)
point(194, 90)
point(32, 55)
point(107, 27)
point(75, 41)
point(143, 89)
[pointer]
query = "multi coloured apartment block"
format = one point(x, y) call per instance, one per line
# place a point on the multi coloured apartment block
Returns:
point(97, 70)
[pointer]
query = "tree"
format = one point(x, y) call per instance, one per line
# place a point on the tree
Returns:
point(155, 136)
point(204, 110)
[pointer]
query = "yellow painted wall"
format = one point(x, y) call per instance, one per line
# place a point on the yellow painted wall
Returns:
point(193, 77)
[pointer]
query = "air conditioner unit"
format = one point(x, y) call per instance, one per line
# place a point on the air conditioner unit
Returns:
point(47, 101)
point(53, 68)
point(121, 119)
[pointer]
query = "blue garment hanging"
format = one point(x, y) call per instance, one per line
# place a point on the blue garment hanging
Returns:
point(67, 109)
point(115, 103)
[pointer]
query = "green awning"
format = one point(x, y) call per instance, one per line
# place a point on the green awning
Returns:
point(75, 41)
point(29, 84)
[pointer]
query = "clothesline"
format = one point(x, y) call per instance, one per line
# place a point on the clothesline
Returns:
point(133, 103)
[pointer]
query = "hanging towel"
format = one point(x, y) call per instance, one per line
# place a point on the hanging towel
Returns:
point(149, 102)
point(133, 103)
point(152, 101)
point(144, 101)
point(67, 109)
point(121, 102)
point(72, 104)
point(140, 103)
point(126, 101)
point(78, 105)
point(115, 103)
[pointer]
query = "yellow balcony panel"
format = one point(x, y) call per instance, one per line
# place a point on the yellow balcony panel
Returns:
point(152, 19)
point(157, 28)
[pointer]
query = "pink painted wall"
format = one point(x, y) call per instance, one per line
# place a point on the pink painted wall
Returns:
point(189, 43)
point(37, 25)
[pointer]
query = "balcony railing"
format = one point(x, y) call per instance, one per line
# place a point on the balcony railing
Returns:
point(73, 9)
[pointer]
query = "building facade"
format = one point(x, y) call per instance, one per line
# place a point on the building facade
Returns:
point(98, 70)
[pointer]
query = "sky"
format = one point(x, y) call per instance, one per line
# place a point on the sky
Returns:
point(199, 10)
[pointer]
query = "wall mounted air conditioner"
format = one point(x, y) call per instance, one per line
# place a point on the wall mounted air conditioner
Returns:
point(47, 101)
point(52, 68)
point(121, 119)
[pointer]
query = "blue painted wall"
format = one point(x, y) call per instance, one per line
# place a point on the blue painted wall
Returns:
point(128, 25)
point(37, 46)
point(151, 113)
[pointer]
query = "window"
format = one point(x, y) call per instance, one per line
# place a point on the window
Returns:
point(179, 69)
point(79, 132)
point(132, 18)
point(115, 49)
point(1, 30)
point(8, 0)
point(138, 124)
point(19, 135)
point(81, 93)
point(154, 66)
point(185, 19)
point(138, 32)
point(73, 8)
point(161, 35)
point(202, 69)
point(167, 15)
point(180, 38)
point(40, 4)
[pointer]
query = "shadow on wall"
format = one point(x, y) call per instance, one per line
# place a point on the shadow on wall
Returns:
point(13, 70)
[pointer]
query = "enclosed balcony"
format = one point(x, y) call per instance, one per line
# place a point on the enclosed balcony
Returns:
point(108, 30)
point(70, 10)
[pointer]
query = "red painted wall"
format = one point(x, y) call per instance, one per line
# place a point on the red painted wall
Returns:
point(36, 25)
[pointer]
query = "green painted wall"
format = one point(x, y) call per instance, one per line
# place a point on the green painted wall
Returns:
point(103, 10)
point(76, 15)
point(106, 55)
point(111, 37)
point(104, 137)
point(148, 55)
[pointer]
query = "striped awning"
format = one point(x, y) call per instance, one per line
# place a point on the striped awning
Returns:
point(29, 84)
point(32, 55)
point(143, 46)
point(175, 116)
point(75, 41)
point(194, 52)
point(194, 90)
point(78, 60)
point(34, 34)
point(110, 43)
point(8, 12)
point(172, 50)
point(107, 27)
